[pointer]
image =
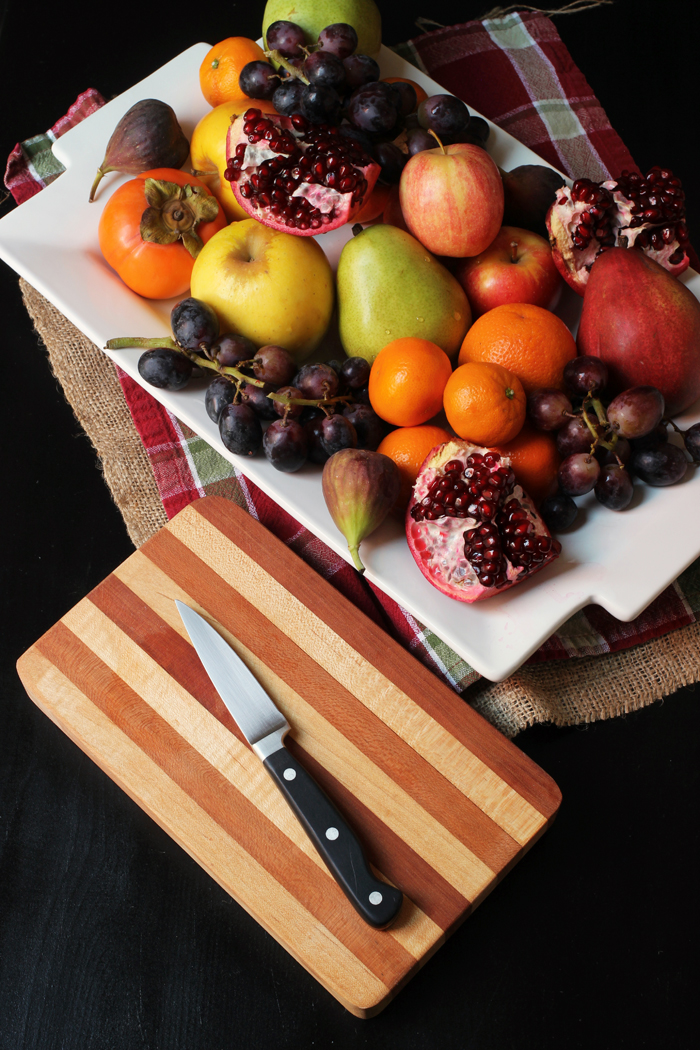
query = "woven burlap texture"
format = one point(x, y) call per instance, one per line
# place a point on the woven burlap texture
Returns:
point(562, 692)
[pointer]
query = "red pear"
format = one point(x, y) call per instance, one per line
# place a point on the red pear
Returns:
point(645, 324)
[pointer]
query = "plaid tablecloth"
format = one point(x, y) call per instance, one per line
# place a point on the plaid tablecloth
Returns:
point(516, 71)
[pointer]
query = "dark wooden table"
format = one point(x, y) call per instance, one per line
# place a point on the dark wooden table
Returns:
point(110, 936)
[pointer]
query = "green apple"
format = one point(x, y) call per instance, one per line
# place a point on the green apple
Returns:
point(315, 15)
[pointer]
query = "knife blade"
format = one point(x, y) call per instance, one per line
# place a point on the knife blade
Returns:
point(264, 727)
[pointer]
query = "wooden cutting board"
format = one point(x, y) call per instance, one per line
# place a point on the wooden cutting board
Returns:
point(443, 803)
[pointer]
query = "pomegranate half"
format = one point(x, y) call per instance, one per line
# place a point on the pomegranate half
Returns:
point(472, 530)
point(295, 176)
point(646, 212)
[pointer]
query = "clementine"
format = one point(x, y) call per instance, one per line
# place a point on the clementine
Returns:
point(484, 403)
point(408, 447)
point(407, 381)
point(222, 65)
point(208, 150)
point(532, 342)
point(535, 461)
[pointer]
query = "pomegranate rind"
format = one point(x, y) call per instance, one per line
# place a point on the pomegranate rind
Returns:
point(341, 204)
point(438, 546)
point(574, 264)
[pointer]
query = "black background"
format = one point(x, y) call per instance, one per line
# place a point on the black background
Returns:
point(110, 936)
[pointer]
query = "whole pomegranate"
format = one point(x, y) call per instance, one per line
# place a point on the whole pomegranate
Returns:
point(632, 211)
point(295, 176)
point(472, 530)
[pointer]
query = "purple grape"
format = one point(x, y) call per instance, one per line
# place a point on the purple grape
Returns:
point(220, 393)
point(317, 381)
point(165, 369)
point(274, 364)
point(286, 37)
point(230, 349)
point(368, 426)
point(287, 97)
point(578, 474)
point(194, 324)
point(256, 397)
point(322, 67)
point(573, 437)
point(692, 441)
point(321, 104)
point(313, 426)
point(657, 436)
point(558, 512)
point(240, 430)
point(354, 372)
point(361, 70)
point(636, 411)
point(479, 130)
point(258, 80)
point(337, 432)
point(585, 375)
point(549, 409)
point(340, 39)
point(614, 487)
point(660, 466)
point(446, 115)
point(621, 452)
point(292, 411)
point(286, 444)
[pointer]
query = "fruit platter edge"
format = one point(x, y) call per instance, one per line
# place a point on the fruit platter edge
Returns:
point(51, 241)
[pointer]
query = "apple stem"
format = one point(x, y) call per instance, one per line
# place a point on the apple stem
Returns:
point(513, 251)
point(431, 132)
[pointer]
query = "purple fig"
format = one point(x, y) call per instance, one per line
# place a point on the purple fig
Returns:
point(148, 136)
point(360, 487)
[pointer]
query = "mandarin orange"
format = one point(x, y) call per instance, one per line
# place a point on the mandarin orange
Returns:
point(407, 381)
point(532, 342)
point(484, 403)
point(221, 68)
point(535, 461)
point(408, 447)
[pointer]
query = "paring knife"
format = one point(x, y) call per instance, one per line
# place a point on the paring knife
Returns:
point(264, 727)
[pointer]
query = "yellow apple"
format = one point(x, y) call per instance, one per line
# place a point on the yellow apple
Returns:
point(270, 286)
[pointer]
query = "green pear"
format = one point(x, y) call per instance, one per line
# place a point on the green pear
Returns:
point(315, 15)
point(391, 287)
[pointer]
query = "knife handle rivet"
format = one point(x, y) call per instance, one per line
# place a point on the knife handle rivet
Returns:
point(375, 897)
point(289, 774)
point(332, 833)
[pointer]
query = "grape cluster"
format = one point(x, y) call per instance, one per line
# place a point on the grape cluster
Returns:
point(259, 398)
point(605, 447)
point(331, 83)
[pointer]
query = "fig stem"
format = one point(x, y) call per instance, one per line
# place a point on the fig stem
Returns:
point(98, 178)
point(354, 551)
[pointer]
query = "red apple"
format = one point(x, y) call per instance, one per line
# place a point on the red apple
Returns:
point(452, 199)
point(515, 268)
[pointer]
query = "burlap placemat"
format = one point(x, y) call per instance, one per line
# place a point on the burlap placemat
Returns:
point(562, 692)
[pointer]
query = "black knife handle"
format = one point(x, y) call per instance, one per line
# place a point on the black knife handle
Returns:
point(377, 902)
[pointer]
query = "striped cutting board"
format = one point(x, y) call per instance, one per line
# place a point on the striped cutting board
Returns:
point(442, 802)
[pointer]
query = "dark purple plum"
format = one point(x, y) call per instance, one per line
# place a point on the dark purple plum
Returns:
point(372, 109)
point(392, 160)
point(361, 70)
point(322, 67)
point(418, 139)
point(446, 115)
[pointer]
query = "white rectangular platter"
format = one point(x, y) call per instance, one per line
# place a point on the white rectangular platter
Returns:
point(51, 240)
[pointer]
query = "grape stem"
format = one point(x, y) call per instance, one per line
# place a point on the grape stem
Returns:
point(321, 402)
point(166, 343)
point(277, 58)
